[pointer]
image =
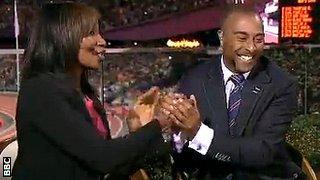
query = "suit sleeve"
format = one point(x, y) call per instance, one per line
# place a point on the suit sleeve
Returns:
point(66, 128)
point(260, 149)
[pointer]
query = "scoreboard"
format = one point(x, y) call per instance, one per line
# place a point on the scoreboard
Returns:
point(299, 21)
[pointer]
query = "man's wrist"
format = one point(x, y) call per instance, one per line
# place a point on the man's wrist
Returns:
point(202, 140)
point(194, 131)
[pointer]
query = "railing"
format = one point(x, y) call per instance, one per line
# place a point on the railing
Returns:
point(128, 69)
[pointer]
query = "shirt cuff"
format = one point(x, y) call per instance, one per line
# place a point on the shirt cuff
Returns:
point(202, 140)
point(179, 142)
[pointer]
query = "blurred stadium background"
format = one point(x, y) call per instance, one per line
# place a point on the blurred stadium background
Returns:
point(152, 42)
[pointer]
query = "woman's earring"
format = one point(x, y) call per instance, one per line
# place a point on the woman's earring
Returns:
point(220, 35)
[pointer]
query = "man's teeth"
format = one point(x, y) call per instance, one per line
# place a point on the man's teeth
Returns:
point(245, 58)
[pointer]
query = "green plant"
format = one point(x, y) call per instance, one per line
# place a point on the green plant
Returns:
point(303, 63)
point(304, 135)
point(158, 164)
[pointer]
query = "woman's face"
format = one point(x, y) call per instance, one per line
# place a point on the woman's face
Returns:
point(91, 48)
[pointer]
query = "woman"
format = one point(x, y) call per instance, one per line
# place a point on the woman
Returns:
point(61, 126)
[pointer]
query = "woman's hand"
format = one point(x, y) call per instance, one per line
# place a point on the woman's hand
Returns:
point(144, 109)
point(133, 121)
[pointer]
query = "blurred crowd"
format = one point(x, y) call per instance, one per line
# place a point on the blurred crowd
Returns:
point(115, 13)
point(126, 76)
point(132, 12)
point(6, 17)
point(7, 73)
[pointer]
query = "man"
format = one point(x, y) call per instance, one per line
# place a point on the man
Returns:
point(244, 104)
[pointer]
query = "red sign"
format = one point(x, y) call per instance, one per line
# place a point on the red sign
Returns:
point(296, 21)
point(299, 20)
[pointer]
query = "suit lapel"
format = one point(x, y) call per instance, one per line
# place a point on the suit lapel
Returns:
point(82, 106)
point(253, 89)
point(214, 90)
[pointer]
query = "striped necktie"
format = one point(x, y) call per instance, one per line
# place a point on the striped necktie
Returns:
point(235, 100)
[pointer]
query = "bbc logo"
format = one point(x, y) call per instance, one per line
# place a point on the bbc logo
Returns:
point(6, 167)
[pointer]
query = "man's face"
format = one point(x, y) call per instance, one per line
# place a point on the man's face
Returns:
point(243, 42)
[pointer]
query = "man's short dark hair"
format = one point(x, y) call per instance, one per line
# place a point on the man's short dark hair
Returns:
point(237, 8)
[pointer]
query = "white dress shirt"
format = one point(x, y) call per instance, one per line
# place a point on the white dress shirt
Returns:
point(202, 140)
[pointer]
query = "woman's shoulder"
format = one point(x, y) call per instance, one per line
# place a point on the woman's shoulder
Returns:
point(49, 82)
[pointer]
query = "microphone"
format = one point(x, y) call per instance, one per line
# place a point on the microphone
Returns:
point(100, 51)
point(102, 56)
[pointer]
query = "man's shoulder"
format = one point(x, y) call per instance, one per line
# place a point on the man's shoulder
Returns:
point(278, 74)
point(202, 68)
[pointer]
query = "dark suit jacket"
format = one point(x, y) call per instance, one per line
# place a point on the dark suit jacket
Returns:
point(58, 141)
point(266, 110)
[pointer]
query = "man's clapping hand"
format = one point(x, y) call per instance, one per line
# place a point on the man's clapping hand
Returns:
point(183, 112)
